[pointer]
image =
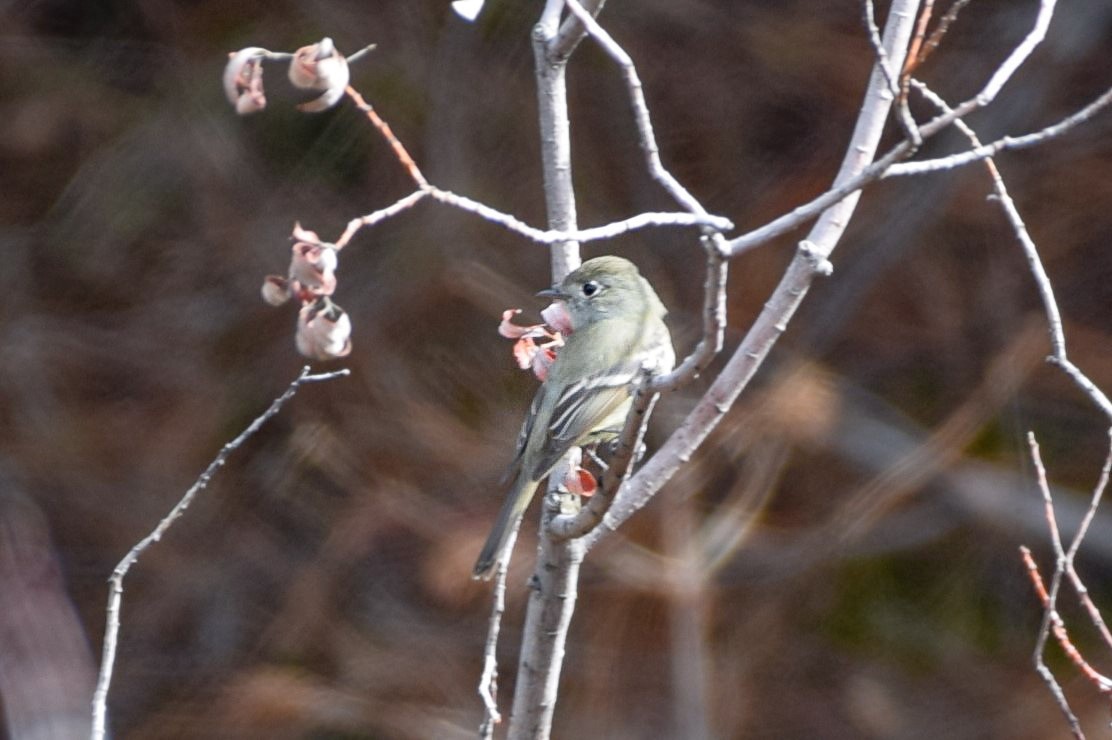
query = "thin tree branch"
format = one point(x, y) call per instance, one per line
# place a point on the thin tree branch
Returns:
point(893, 76)
point(572, 31)
point(1051, 620)
point(617, 472)
point(1007, 143)
point(557, 236)
point(640, 110)
point(714, 323)
point(541, 236)
point(1064, 560)
point(913, 49)
point(939, 32)
point(1035, 264)
point(384, 128)
point(116, 582)
point(488, 682)
point(380, 215)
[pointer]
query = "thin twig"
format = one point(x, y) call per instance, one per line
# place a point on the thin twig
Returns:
point(540, 236)
point(714, 323)
point(939, 32)
point(380, 215)
point(1051, 620)
point(116, 582)
point(1049, 597)
point(1064, 559)
point(554, 236)
point(617, 471)
point(384, 128)
point(1005, 143)
point(1083, 529)
point(572, 30)
point(1035, 264)
point(640, 109)
point(895, 80)
point(488, 682)
point(913, 60)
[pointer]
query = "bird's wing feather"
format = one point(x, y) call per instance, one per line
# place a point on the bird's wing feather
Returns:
point(585, 407)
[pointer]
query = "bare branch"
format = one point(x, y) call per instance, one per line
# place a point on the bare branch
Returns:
point(556, 236)
point(894, 77)
point(1006, 143)
point(640, 109)
point(552, 596)
point(1051, 619)
point(617, 472)
point(1019, 55)
point(384, 128)
point(1035, 264)
point(116, 582)
point(572, 31)
point(714, 323)
point(488, 682)
point(939, 32)
point(380, 215)
point(913, 49)
point(559, 192)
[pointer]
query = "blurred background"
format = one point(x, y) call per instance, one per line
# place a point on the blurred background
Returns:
point(840, 559)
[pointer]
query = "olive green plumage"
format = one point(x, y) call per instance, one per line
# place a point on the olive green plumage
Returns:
point(618, 332)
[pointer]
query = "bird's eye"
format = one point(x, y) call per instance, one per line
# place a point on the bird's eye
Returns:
point(591, 287)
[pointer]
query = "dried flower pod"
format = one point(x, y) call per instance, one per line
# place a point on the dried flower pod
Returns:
point(323, 330)
point(577, 479)
point(320, 66)
point(276, 290)
point(312, 265)
point(528, 352)
point(243, 80)
point(313, 270)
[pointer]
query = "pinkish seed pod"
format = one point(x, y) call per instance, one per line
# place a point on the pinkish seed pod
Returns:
point(320, 66)
point(313, 267)
point(276, 290)
point(323, 330)
point(243, 80)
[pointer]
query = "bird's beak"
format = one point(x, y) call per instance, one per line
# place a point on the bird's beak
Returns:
point(554, 293)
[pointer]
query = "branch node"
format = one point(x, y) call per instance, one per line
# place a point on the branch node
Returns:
point(819, 263)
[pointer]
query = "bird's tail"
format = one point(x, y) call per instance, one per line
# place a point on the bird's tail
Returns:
point(506, 524)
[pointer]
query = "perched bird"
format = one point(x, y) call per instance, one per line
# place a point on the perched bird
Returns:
point(618, 332)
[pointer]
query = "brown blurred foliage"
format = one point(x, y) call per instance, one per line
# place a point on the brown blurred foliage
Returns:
point(840, 559)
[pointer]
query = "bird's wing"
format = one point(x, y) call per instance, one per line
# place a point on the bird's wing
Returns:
point(587, 406)
point(523, 435)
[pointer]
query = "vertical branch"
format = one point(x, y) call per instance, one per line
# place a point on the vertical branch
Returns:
point(488, 682)
point(552, 595)
point(559, 195)
point(553, 586)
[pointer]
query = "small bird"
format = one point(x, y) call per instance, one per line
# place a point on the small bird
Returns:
point(618, 332)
